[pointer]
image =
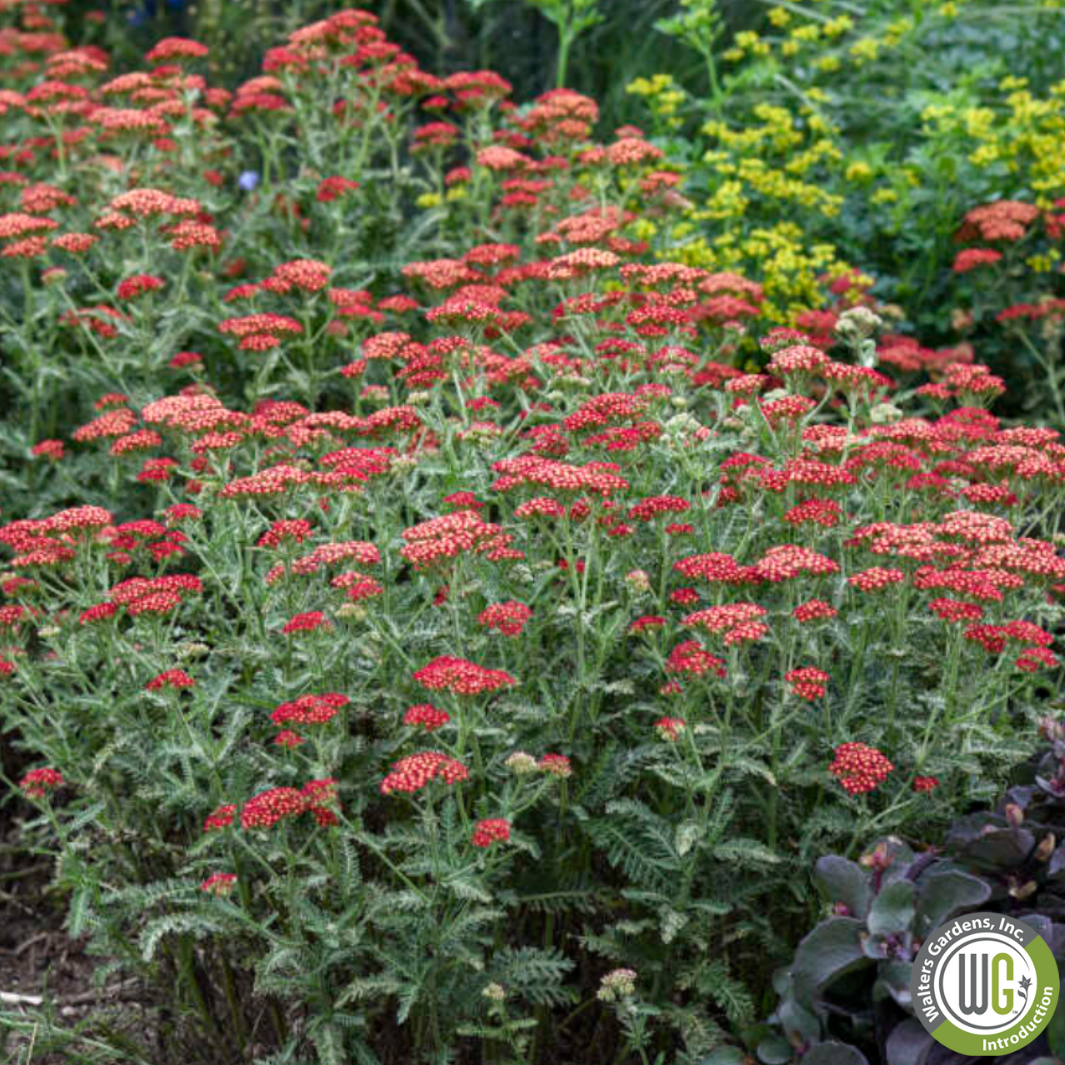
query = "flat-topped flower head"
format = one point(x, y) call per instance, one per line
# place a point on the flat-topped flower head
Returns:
point(272, 806)
point(860, 768)
point(220, 884)
point(426, 716)
point(38, 783)
point(489, 831)
point(461, 677)
point(416, 771)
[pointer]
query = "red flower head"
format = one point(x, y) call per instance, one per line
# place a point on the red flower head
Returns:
point(310, 709)
point(492, 830)
point(269, 807)
point(171, 678)
point(308, 622)
point(456, 675)
point(414, 772)
point(670, 728)
point(222, 817)
point(426, 715)
point(807, 682)
point(38, 782)
point(860, 768)
point(508, 618)
point(556, 765)
point(219, 884)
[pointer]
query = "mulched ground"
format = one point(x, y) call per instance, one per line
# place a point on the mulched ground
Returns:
point(38, 960)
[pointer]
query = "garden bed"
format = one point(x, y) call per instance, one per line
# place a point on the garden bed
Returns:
point(478, 585)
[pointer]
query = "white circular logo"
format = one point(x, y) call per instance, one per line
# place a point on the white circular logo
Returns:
point(984, 982)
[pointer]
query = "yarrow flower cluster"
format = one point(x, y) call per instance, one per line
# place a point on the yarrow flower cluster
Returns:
point(860, 768)
point(490, 831)
point(507, 618)
point(414, 772)
point(624, 529)
point(808, 682)
point(37, 783)
point(460, 677)
point(617, 984)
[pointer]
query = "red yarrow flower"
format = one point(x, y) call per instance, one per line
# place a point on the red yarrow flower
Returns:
point(138, 285)
point(860, 768)
point(508, 618)
point(308, 622)
point(426, 715)
point(414, 772)
point(670, 728)
point(219, 884)
point(556, 765)
point(38, 782)
point(813, 610)
point(171, 678)
point(460, 677)
point(691, 657)
point(492, 830)
point(310, 709)
point(221, 817)
point(271, 806)
point(807, 682)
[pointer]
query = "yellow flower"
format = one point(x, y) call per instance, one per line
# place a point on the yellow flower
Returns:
point(644, 229)
point(827, 64)
point(884, 196)
point(858, 172)
point(1041, 264)
point(896, 31)
point(779, 17)
point(727, 201)
point(864, 49)
point(456, 194)
point(985, 155)
point(651, 86)
point(753, 43)
point(838, 26)
point(429, 199)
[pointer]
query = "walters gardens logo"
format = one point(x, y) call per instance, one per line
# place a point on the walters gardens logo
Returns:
point(984, 984)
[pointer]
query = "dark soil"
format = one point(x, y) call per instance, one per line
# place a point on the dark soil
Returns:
point(39, 961)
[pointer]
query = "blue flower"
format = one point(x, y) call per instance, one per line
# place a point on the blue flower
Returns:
point(249, 180)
